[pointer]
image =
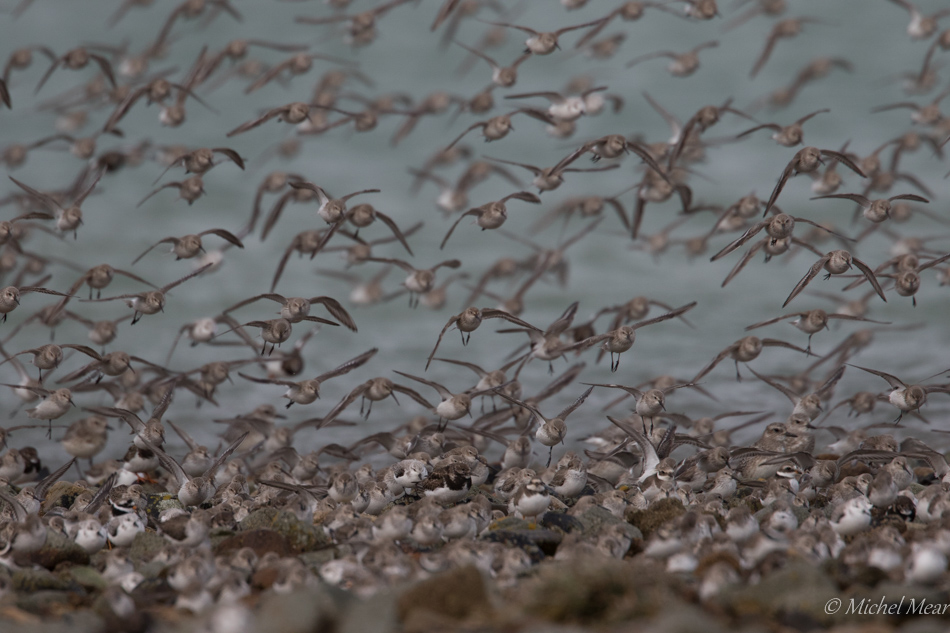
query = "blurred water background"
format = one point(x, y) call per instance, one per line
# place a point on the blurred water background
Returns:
point(605, 268)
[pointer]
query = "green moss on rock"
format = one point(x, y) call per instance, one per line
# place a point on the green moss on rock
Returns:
point(302, 537)
point(660, 513)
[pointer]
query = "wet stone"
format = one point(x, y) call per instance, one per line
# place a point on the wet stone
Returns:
point(796, 594)
point(61, 495)
point(261, 541)
point(303, 611)
point(145, 546)
point(302, 537)
point(658, 514)
point(456, 595)
point(537, 541)
point(596, 518)
point(604, 591)
point(57, 549)
point(156, 503)
point(561, 522)
point(34, 580)
point(87, 577)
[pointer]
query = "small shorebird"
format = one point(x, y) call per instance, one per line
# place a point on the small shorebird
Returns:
point(468, 321)
point(293, 113)
point(374, 390)
point(783, 29)
point(650, 403)
point(682, 64)
point(876, 210)
point(10, 297)
point(836, 263)
point(492, 214)
point(921, 26)
point(193, 491)
point(552, 430)
point(544, 42)
point(419, 281)
point(277, 331)
point(98, 278)
point(630, 11)
point(453, 406)
point(621, 339)
point(497, 127)
point(744, 350)
point(812, 321)
point(189, 190)
point(806, 161)
point(562, 108)
point(77, 59)
point(68, 218)
point(907, 398)
point(153, 301)
point(54, 405)
point(190, 246)
point(503, 76)
point(787, 135)
point(295, 309)
point(308, 391)
point(331, 210)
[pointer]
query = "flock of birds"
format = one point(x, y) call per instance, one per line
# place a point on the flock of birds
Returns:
point(413, 498)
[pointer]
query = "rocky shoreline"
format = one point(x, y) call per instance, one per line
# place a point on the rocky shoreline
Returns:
point(562, 572)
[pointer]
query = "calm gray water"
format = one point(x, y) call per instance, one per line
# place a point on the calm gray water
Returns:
point(604, 268)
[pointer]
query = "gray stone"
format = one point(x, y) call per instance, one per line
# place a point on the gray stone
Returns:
point(302, 537)
point(36, 580)
point(796, 594)
point(57, 549)
point(88, 577)
point(596, 518)
point(61, 495)
point(378, 617)
point(145, 546)
point(156, 503)
point(302, 611)
point(458, 594)
point(537, 541)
